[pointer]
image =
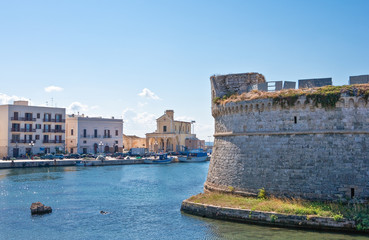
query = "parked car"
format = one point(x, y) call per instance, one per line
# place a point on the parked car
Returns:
point(58, 156)
point(74, 156)
point(47, 156)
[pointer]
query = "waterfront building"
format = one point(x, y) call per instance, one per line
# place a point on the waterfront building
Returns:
point(26, 130)
point(133, 141)
point(194, 143)
point(93, 134)
point(170, 134)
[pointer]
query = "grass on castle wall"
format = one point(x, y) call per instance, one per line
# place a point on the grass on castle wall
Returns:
point(357, 212)
point(326, 96)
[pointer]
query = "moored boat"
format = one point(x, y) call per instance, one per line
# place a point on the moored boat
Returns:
point(163, 158)
point(84, 163)
point(194, 156)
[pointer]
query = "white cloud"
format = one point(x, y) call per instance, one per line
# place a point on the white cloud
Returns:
point(53, 89)
point(138, 123)
point(145, 118)
point(94, 107)
point(147, 93)
point(6, 99)
point(142, 104)
point(75, 107)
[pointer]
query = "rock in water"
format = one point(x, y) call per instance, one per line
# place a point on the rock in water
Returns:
point(39, 208)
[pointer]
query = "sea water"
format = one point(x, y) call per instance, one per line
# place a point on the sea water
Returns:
point(141, 202)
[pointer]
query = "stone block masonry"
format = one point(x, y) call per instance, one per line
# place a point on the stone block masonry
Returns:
point(301, 151)
point(317, 82)
point(359, 79)
point(234, 83)
point(289, 85)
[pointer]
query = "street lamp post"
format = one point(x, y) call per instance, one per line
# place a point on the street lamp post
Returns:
point(101, 144)
point(156, 146)
point(17, 151)
point(31, 144)
point(193, 124)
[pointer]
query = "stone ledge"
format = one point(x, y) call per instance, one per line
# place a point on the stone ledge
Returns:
point(268, 218)
point(228, 134)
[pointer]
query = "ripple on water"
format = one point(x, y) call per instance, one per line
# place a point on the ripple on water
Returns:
point(143, 202)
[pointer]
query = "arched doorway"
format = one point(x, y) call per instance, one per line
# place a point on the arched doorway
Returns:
point(95, 148)
point(161, 145)
point(116, 148)
point(170, 145)
point(106, 149)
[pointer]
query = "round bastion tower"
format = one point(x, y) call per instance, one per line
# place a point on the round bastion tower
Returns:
point(301, 150)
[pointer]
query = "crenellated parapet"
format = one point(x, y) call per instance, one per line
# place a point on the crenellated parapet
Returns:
point(222, 85)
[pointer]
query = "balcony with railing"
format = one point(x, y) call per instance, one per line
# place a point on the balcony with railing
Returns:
point(107, 136)
point(23, 119)
point(28, 130)
point(53, 120)
point(53, 130)
point(15, 129)
point(53, 141)
point(22, 141)
point(90, 136)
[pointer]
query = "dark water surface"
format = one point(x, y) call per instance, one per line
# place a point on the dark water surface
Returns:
point(143, 202)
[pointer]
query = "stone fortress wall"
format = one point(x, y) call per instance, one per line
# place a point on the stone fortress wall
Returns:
point(299, 151)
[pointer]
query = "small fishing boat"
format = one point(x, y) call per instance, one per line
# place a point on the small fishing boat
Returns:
point(197, 155)
point(163, 158)
point(84, 163)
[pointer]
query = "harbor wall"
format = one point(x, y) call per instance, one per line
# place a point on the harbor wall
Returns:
point(63, 163)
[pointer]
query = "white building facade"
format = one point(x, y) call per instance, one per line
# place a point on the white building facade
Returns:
point(27, 130)
point(93, 134)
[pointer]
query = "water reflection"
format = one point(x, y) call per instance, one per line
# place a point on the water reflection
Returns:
point(35, 174)
point(144, 202)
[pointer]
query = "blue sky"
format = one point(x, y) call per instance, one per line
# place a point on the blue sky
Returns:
point(100, 55)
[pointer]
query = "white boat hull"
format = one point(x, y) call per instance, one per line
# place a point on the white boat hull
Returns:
point(193, 159)
point(158, 161)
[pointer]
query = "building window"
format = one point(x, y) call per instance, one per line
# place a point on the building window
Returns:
point(28, 116)
point(164, 128)
point(16, 127)
point(15, 138)
point(116, 132)
point(37, 137)
point(71, 132)
point(16, 115)
point(58, 128)
point(95, 133)
point(38, 126)
point(116, 142)
point(84, 132)
point(38, 115)
point(295, 119)
point(47, 117)
point(84, 141)
point(28, 127)
point(47, 128)
point(58, 118)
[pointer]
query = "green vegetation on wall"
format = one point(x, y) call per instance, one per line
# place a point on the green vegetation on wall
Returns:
point(326, 96)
